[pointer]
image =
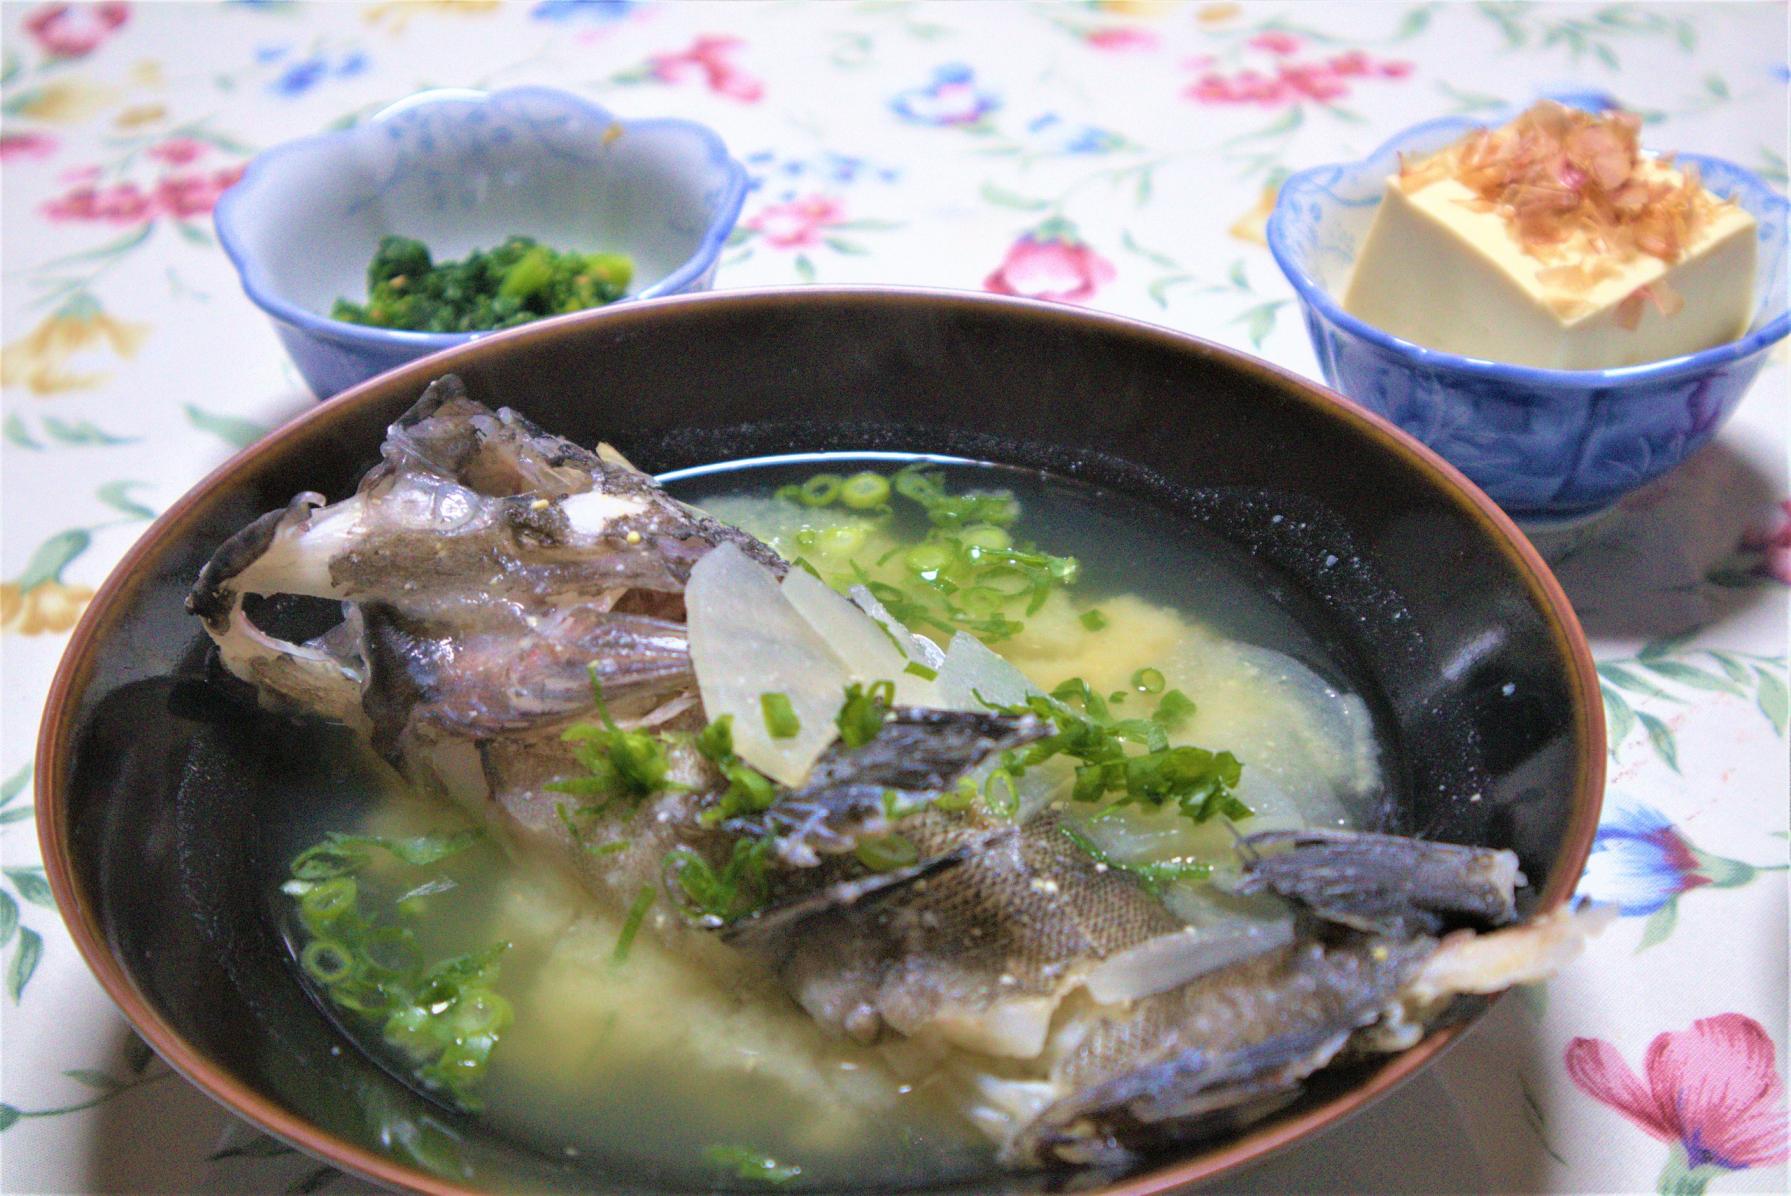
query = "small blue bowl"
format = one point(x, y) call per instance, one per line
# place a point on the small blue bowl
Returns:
point(462, 170)
point(1549, 446)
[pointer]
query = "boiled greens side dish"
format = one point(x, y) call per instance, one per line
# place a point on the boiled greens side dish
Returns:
point(515, 283)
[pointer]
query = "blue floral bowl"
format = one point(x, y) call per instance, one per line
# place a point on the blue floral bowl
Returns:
point(462, 170)
point(1547, 445)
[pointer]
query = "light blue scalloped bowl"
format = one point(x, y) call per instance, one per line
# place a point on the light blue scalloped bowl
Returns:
point(1550, 446)
point(461, 170)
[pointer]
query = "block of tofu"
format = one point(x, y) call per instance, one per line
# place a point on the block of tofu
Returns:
point(1447, 268)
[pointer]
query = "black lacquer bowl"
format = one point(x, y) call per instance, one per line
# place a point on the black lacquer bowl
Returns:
point(154, 783)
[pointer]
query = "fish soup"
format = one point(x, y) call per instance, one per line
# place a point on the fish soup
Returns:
point(590, 1039)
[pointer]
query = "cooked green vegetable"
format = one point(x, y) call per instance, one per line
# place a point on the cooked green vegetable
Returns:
point(515, 283)
point(865, 491)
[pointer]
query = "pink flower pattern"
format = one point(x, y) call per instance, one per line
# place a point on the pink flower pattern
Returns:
point(75, 30)
point(1051, 262)
point(1770, 536)
point(1121, 38)
point(709, 58)
point(26, 147)
point(1289, 82)
point(180, 195)
point(1713, 1091)
point(797, 224)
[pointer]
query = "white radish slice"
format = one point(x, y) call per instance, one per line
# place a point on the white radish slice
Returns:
point(1171, 960)
point(972, 677)
point(746, 640)
point(918, 647)
point(869, 651)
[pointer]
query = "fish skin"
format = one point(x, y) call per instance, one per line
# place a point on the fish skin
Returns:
point(983, 954)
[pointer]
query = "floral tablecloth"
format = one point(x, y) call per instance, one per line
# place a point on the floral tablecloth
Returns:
point(1120, 155)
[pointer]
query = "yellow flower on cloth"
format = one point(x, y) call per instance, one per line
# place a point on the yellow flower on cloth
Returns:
point(1216, 14)
point(396, 14)
point(40, 359)
point(1136, 8)
point(39, 601)
point(63, 102)
point(1253, 225)
point(138, 115)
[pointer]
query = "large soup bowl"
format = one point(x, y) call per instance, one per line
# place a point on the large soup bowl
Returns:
point(156, 787)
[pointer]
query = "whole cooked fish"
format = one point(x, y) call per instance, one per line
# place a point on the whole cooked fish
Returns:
point(490, 572)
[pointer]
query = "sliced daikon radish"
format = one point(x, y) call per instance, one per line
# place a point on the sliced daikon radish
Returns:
point(869, 651)
point(972, 677)
point(918, 647)
point(748, 640)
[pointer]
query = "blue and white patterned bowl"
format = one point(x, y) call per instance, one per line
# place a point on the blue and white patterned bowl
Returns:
point(1547, 445)
point(461, 170)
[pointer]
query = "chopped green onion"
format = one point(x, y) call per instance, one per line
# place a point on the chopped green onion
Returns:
point(1148, 681)
point(985, 536)
point(613, 847)
point(328, 901)
point(478, 1011)
point(840, 541)
point(326, 961)
point(750, 1164)
point(1173, 709)
point(1153, 876)
point(887, 853)
point(865, 491)
point(913, 483)
point(616, 761)
point(862, 715)
point(928, 559)
point(637, 913)
point(1094, 620)
point(780, 716)
point(959, 798)
point(737, 889)
point(821, 490)
point(917, 669)
point(1000, 795)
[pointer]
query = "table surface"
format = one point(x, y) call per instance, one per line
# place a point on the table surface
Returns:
point(1115, 154)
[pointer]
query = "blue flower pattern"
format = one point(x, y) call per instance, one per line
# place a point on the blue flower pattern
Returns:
point(302, 74)
point(1639, 862)
point(602, 12)
point(952, 98)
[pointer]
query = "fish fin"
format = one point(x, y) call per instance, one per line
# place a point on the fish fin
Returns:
point(1384, 884)
point(1189, 1097)
point(916, 755)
